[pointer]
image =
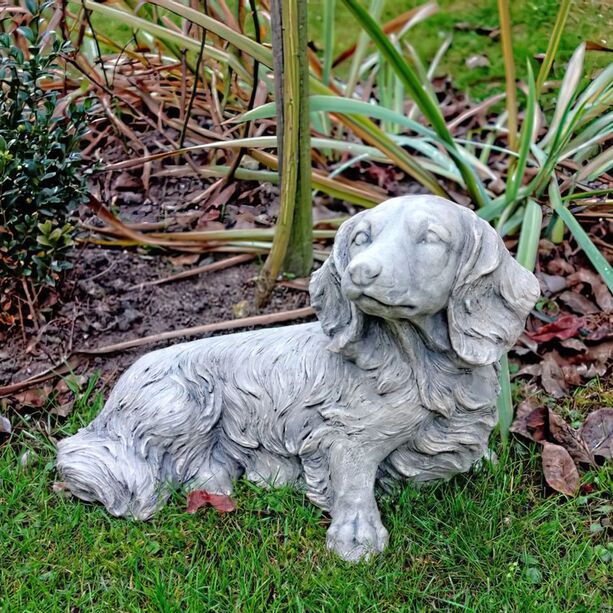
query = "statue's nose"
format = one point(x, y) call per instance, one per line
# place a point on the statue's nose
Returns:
point(364, 273)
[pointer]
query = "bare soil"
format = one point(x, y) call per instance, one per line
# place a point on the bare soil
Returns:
point(100, 302)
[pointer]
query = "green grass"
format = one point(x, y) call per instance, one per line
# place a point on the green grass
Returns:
point(490, 541)
point(532, 24)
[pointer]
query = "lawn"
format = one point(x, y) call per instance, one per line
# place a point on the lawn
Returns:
point(532, 25)
point(532, 22)
point(494, 540)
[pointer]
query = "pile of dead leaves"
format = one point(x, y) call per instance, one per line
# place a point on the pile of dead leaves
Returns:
point(566, 448)
point(572, 340)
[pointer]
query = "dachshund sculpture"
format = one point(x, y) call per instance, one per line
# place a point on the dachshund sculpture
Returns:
point(397, 379)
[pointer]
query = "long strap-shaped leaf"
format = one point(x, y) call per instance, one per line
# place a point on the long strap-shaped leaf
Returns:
point(525, 142)
point(365, 128)
point(165, 34)
point(509, 71)
point(581, 236)
point(338, 104)
point(554, 43)
point(424, 101)
point(527, 249)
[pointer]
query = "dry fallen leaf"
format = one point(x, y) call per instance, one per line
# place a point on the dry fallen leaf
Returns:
point(572, 376)
point(541, 425)
point(35, 397)
point(201, 498)
point(60, 488)
point(185, 259)
point(559, 469)
point(578, 303)
point(477, 61)
point(601, 292)
point(531, 421)
point(602, 330)
point(520, 424)
point(552, 376)
point(552, 284)
point(575, 344)
point(240, 309)
point(559, 266)
point(63, 410)
point(597, 432)
point(564, 327)
point(570, 439)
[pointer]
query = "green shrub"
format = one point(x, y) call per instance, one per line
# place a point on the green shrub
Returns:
point(42, 174)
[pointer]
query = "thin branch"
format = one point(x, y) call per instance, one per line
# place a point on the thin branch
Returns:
point(194, 86)
point(245, 322)
point(185, 274)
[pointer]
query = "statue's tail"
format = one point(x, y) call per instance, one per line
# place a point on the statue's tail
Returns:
point(99, 468)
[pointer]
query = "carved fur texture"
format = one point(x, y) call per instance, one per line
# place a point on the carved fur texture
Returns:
point(397, 380)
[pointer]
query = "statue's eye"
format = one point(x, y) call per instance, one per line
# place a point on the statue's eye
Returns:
point(431, 237)
point(361, 238)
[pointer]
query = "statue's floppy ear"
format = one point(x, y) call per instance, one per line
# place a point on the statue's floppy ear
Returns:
point(340, 319)
point(491, 299)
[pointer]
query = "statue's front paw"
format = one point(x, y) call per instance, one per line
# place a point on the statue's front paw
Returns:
point(357, 534)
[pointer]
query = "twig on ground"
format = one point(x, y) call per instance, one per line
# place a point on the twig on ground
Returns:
point(66, 365)
point(245, 322)
point(69, 364)
point(299, 284)
point(220, 265)
point(31, 305)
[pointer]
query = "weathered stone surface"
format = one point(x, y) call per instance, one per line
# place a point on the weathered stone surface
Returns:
point(416, 304)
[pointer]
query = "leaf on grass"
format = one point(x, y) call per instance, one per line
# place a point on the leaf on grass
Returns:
point(564, 327)
point(528, 418)
point(597, 432)
point(532, 422)
point(592, 45)
point(543, 426)
point(61, 489)
point(559, 469)
point(202, 498)
point(537, 424)
point(63, 410)
point(570, 439)
point(35, 397)
point(477, 61)
point(552, 376)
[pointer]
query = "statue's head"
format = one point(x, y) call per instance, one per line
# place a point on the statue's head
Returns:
point(414, 257)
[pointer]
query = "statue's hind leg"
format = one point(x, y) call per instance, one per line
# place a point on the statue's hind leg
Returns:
point(216, 474)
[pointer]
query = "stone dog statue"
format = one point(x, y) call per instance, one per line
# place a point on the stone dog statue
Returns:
point(397, 379)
